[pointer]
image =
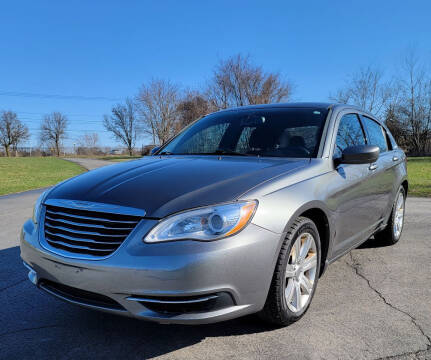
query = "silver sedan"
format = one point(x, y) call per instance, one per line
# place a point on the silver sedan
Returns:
point(239, 213)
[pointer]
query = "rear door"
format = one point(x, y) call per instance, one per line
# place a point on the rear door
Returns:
point(382, 174)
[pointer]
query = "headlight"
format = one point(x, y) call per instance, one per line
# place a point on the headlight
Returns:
point(205, 224)
point(38, 206)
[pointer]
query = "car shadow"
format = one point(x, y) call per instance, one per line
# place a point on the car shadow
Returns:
point(36, 324)
point(373, 243)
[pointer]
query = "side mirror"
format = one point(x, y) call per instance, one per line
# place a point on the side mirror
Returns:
point(360, 154)
point(154, 150)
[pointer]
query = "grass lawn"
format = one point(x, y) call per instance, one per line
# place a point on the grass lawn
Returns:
point(21, 174)
point(419, 170)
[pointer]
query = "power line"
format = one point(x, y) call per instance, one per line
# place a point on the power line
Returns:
point(43, 114)
point(77, 130)
point(80, 130)
point(57, 96)
point(79, 121)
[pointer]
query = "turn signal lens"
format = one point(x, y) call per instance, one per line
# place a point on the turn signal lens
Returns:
point(247, 212)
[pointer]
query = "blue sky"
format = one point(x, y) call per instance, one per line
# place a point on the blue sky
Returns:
point(107, 49)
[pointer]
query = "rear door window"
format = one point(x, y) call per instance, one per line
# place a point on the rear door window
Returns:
point(376, 134)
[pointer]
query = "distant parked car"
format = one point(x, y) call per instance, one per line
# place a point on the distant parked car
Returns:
point(240, 213)
point(148, 149)
point(115, 152)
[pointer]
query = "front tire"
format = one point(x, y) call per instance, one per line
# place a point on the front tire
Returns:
point(391, 234)
point(295, 276)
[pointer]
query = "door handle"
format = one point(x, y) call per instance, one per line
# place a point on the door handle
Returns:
point(395, 158)
point(373, 167)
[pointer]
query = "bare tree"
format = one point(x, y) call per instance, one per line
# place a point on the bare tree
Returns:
point(366, 89)
point(12, 131)
point(123, 123)
point(394, 124)
point(53, 130)
point(237, 82)
point(192, 107)
point(158, 102)
point(88, 143)
point(410, 115)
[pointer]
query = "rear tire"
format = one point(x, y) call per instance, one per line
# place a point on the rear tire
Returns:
point(295, 277)
point(391, 234)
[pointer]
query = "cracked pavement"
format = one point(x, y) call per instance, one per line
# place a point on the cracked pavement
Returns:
point(374, 303)
point(357, 267)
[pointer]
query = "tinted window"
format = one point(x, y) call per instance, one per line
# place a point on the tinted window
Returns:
point(349, 133)
point(376, 134)
point(208, 139)
point(244, 139)
point(288, 132)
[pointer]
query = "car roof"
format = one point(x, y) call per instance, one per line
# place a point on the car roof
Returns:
point(313, 105)
point(319, 105)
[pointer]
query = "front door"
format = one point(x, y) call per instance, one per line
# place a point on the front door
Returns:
point(350, 191)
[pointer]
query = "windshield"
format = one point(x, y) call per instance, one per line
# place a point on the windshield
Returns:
point(280, 132)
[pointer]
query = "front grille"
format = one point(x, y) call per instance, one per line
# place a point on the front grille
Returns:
point(84, 232)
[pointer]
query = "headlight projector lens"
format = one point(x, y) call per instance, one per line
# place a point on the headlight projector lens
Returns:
point(216, 222)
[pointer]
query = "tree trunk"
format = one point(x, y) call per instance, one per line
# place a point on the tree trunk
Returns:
point(6, 149)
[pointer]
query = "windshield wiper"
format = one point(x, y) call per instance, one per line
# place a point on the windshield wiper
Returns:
point(217, 152)
point(226, 152)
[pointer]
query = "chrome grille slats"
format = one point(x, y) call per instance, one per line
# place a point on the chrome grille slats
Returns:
point(81, 232)
point(83, 240)
point(86, 225)
point(87, 218)
point(78, 247)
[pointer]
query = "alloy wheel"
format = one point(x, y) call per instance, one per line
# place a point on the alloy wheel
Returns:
point(301, 272)
point(399, 215)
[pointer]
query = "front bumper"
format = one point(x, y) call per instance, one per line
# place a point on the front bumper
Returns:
point(184, 282)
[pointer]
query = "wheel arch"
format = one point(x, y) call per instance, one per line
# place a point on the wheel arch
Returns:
point(405, 185)
point(319, 218)
point(319, 214)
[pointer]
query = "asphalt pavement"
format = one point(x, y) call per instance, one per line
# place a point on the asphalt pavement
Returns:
point(90, 164)
point(373, 303)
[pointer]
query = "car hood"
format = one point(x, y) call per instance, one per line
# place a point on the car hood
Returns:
point(168, 184)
